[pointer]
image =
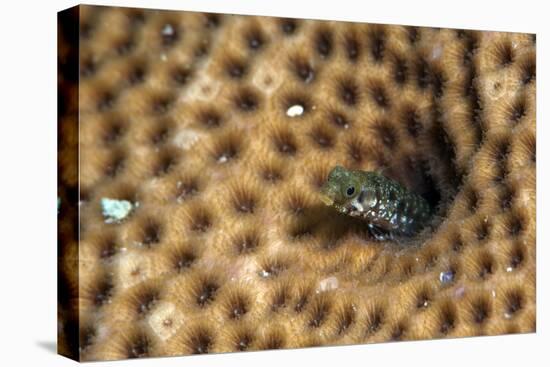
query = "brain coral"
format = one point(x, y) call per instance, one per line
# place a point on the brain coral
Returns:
point(221, 129)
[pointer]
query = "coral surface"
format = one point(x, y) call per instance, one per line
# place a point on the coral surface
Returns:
point(221, 129)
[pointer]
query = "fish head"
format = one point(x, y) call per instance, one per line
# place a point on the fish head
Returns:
point(341, 187)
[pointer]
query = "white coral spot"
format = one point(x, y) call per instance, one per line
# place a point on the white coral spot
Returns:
point(165, 320)
point(114, 211)
point(133, 268)
point(168, 30)
point(186, 138)
point(267, 80)
point(204, 89)
point(328, 284)
point(294, 111)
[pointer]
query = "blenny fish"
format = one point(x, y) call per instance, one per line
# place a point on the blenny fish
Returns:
point(389, 209)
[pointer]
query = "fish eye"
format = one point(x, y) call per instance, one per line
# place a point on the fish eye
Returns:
point(350, 190)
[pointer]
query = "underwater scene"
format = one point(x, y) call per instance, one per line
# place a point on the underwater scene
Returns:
point(234, 183)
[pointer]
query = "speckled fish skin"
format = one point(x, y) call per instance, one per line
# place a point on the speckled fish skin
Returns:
point(388, 208)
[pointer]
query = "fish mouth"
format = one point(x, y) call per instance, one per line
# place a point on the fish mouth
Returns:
point(326, 199)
